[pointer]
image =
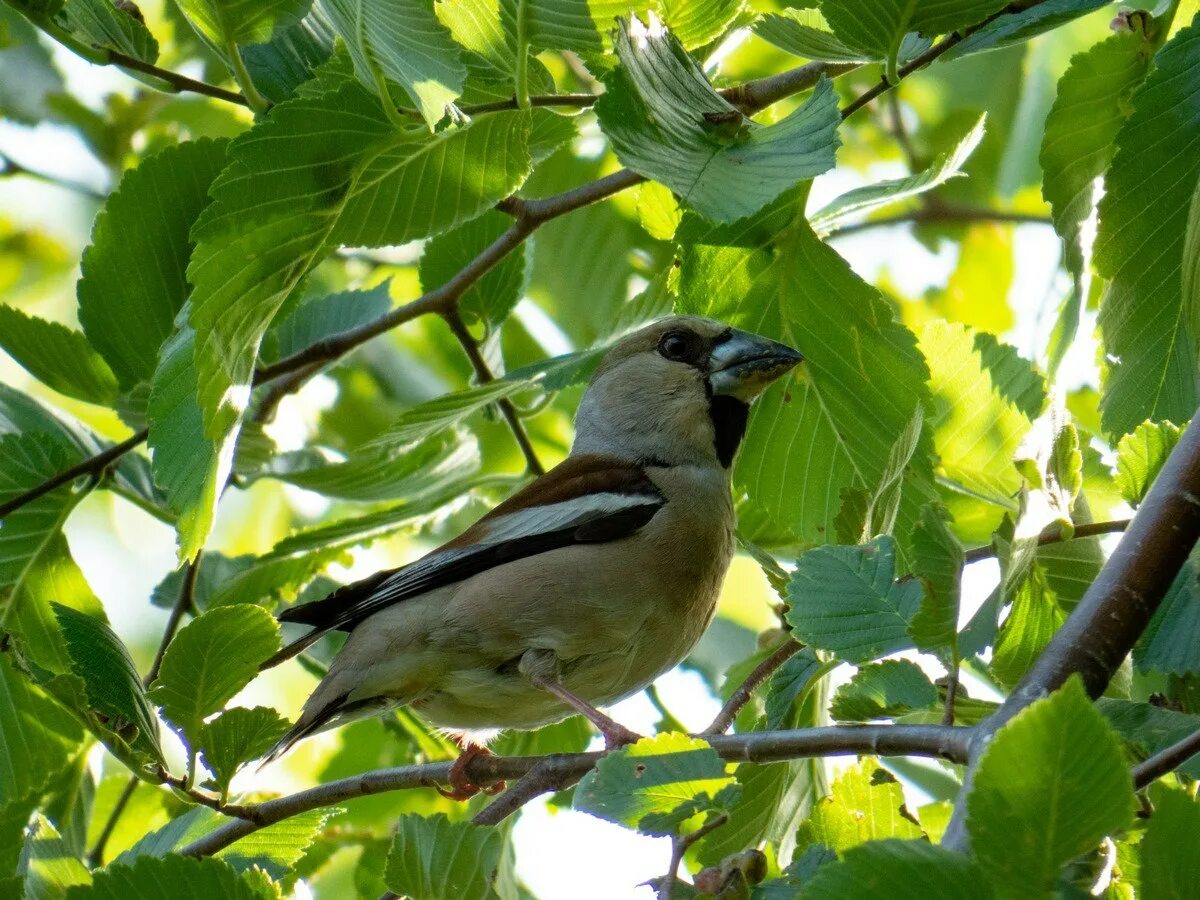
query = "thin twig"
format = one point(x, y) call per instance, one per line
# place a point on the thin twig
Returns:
point(483, 372)
point(932, 741)
point(746, 689)
point(233, 810)
point(10, 167)
point(96, 855)
point(951, 694)
point(1056, 536)
point(679, 849)
point(899, 132)
point(183, 604)
point(1166, 760)
point(943, 213)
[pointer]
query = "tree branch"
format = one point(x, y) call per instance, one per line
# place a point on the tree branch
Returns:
point(470, 347)
point(184, 603)
point(943, 213)
point(1102, 629)
point(679, 848)
point(1166, 760)
point(1056, 536)
point(96, 854)
point(746, 689)
point(10, 167)
point(764, 746)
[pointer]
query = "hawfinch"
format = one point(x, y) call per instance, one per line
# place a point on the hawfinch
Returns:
point(584, 586)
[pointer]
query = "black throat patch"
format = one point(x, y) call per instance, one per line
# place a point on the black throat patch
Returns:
point(729, 415)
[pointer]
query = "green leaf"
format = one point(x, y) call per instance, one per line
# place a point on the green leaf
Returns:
point(1171, 642)
point(882, 691)
point(791, 681)
point(103, 24)
point(938, 563)
point(485, 27)
point(212, 658)
point(1078, 146)
point(903, 870)
point(846, 410)
point(884, 193)
point(656, 784)
point(584, 26)
point(274, 216)
point(35, 562)
point(57, 356)
point(866, 804)
point(185, 461)
point(697, 24)
point(1139, 246)
point(1023, 25)
point(806, 33)
point(114, 689)
point(236, 737)
point(317, 318)
point(1168, 866)
point(1050, 785)
point(666, 122)
point(492, 297)
point(225, 22)
point(433, 858)
point(433, 416)
point(292, 57)
point(843, 599)
point(884, 503)
point(47, 863)
point(1140, 457)
point(878, 26)
point(1035, 616)
point(39, 736)
point(401, 40)
point(1149, 728)
point(132, 279)
point(27, 73)
point(174, 876)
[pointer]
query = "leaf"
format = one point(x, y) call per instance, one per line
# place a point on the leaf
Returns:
point(1023, 25)
point(1139, 246)
point(35, 562)
point(432, 416)
point(1168, 867)
point(882, 691)
point(114, 689)
point(1170, 642)
point(212, 658)
point(432, 858)
point(226, 22)
point(317, 318)
point(174, 876)
point(185, 461)
point(697, 24)
point(655, 784)
point(843, 599)
point(881, 194)
point(866, 804)
point(884, 503)
point(274, 216)
point(103, 24)
point(39, 736)
point(833, 425)
point(132, 279)
point(1140, 457)
point(878, 27)
point(1035, 616)
point(938, 563)
point(904, 870)
point(1049, 786)
point(236, 737)
point(292, 57)
point(57, 356)
point(584, 26)
point(806, 33)
point(28, 76)
point(47, 864)
point(1078, 146)
point(665, 121)
point(1148, 728)
point(485, 27)
point(404, 41)
point(791, 681)
point(492, 297)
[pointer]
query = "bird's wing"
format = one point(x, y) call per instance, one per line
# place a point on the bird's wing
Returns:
point(586, 499)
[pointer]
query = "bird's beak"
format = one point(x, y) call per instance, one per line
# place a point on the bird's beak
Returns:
point(745, 364)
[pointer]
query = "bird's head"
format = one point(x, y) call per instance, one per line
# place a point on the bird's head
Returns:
point(678, 392)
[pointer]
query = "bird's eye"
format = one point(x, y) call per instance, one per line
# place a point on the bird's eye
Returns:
point(674, 345)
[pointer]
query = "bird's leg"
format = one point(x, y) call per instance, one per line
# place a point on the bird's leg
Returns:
point(461, 785)
point(541, 668)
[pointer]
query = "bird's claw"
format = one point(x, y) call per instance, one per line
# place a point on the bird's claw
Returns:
point(461, 785)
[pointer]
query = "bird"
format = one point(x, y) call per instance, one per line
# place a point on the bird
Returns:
point(581, 588)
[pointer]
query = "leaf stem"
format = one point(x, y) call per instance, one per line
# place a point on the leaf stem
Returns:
point(521, 77)
point(183, 604)
point(254, 99)
point(96, 854)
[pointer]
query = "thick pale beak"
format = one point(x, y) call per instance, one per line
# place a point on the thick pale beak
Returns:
point(745, 364)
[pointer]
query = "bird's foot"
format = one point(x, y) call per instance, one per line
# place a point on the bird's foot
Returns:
point(461, 785)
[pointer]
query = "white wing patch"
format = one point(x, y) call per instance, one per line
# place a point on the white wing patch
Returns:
point(535, 520)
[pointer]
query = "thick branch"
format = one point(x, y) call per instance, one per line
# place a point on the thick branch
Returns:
point(764, 746)
point(1104, 626)
point(1166, 760)
point(484, 373)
